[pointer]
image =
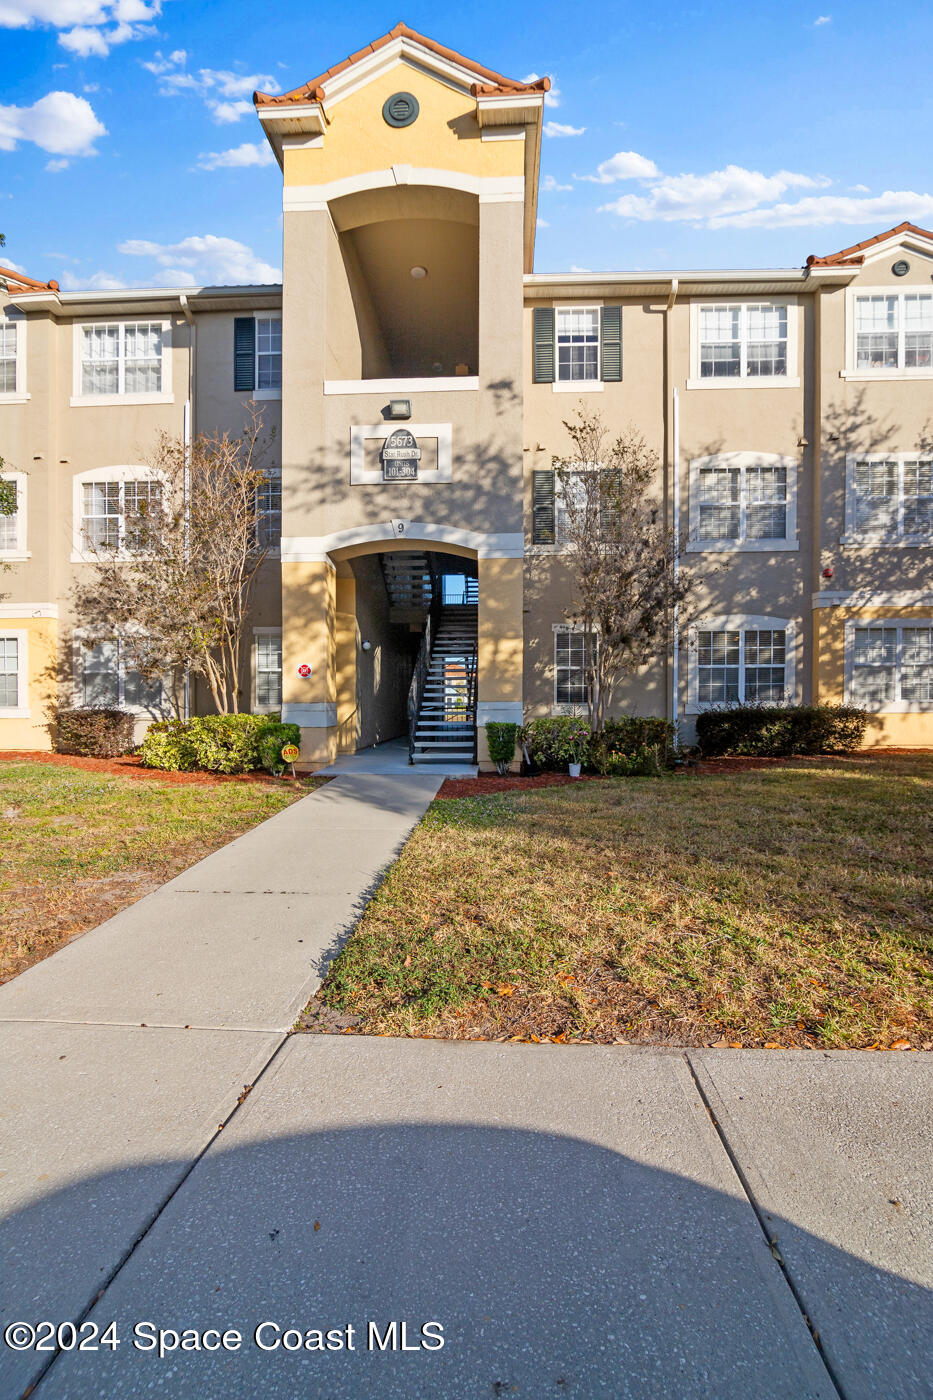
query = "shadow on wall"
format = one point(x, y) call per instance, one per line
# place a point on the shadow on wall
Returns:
point(555, 1266)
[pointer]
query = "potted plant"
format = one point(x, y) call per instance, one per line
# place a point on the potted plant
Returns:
point(577, 740)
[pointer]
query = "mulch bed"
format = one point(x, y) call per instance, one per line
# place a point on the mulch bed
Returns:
point(129, 766)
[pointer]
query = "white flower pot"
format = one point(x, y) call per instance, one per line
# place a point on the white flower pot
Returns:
point(574, 770)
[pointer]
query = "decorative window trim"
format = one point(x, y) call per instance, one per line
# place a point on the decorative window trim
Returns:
point(696, 545)
point(254, 670)
point(578, 386)
point(776, 381)
point(82, 400)
point(739, 622)
point(264, 395)
point(13, 317)
point(80, 554)
point(19, 551)
point(851, 370)
point(79, 636)
point(856, 537)
point(896, 706)
point(273, 551)
point(21, 709)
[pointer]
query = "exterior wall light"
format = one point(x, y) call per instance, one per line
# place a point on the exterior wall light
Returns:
point(400, 408)
point(367, 646)
point(419, 272)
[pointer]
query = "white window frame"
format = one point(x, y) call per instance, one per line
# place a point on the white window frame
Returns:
point(10, 316)
point(579, 386)
point(790, 380)
point(80, 553)
point(19, 550)
point(742, 460)
point(79, 637)
point(256, 707)
point(897, 706)
point(265, 395)
point(741, 623)
point(855, 536)
point(82, 400)
point(852, 371)
point(563, 707)
point(21, 709)
point(273, 551)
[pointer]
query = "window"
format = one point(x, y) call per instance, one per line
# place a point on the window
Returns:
point(738, 342)
point(104, 680)
point(570, 655)
point(114, 513)
point(743, 500)
point(268, 670)
point(124, 359)
point(578, 344)
point(8, 331)
point(269, 511)
point(9, 673)
point(268, 352)
point(889, 499)
point(737, 661)
point(13, 527)
point(894, 330)
point(890, 664)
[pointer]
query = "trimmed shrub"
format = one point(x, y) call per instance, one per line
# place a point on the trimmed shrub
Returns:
point(272, 741)
point(631, 744)
point(94, 733)
point(216, 743)
point(500, 740)
point(779, 731)
point(554, 742)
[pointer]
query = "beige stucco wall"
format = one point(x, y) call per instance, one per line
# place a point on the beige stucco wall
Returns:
point(31, 731)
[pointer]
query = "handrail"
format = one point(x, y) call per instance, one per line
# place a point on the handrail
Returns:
point(471, 698)
point(419, 675)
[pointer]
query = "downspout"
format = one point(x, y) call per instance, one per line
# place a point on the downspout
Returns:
point(674, 459)
point(187, 436)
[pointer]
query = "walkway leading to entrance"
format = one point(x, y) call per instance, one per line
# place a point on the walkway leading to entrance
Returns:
point(393, 758)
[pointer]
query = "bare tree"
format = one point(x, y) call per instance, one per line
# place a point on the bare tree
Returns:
point(175, 583)
point(622, 554)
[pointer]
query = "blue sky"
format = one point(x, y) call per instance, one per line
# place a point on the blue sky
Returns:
point(708, 135)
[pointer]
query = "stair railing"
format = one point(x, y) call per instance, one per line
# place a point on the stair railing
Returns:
point(420, 674)
point(471, 701)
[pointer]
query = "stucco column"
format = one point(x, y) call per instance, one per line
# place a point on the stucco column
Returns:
point(500, 646)
point(309, 611)
point(348, 716)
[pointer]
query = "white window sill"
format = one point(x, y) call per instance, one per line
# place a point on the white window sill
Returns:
point(15, 398)
point(14, 556)
point(774, 381)
point(112, 400)
point(266, 395)
point(867, 375)
point(740, 546)
point(14, 712)
point(886, 542)
point(443, 384)
point(578, 386)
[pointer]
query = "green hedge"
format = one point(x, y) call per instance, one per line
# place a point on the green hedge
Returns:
point(631, 744)
point(779, 731)
point(94, 733)
point(555, 742)
point(501, 738)
point(218, 743)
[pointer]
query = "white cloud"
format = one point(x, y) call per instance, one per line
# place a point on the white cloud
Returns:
point(97, 282)
point(821, 19)
point(204, 259)
point(552, 96)
point(250, 153)
point(83, 23)
point(561, 129)
point(816, 211)
point(550, 186)
point(12, 266)
point(91, 87)
point(543, 223)
point(859, 189)
point(23, 14)
point(624, 165)
point(701, 198)
point(574, 268)
point(60, 123)
point(60, 163)
point(227, 95)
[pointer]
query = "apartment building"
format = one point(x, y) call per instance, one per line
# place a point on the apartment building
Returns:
point(417, 372)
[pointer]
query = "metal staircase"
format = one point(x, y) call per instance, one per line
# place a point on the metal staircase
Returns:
point(408, 579)
point(442, 701)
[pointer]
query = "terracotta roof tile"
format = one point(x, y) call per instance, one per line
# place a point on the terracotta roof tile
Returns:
point(313, 91)
point(19, 282)
point(851, 257)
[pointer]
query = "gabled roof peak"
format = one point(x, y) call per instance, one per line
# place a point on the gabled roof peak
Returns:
point(854, 256)
point(19, 282)
point(491, 83)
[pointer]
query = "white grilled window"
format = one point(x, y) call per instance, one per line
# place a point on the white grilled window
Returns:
point(107, 682)
point(114, 514)
point(10, 524)
point(121, 359)
point(269, 510)
point(894, 331)
point(892, 498)
point(8, 348)
point(9, 673)
point(269, 670)
point(569, 667)
point(747, 340)
point(741, 665)
point(578, 344)
point(892, 665)
point(736, 502)
point(268, 352)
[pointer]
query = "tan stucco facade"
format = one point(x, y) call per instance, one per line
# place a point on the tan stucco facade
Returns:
point(407, 256)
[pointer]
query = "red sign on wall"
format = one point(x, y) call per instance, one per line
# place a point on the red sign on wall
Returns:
point(304, 670)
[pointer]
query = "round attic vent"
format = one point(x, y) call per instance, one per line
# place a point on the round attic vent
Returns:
point(400, 109)
point(900, 269)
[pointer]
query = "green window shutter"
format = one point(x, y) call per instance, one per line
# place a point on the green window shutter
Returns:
point(544, 345)
point(244, 352)
point(542, 529)
point(610, 342)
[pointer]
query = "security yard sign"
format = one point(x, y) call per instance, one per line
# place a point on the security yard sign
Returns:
point(290, 753)
point(400, 456)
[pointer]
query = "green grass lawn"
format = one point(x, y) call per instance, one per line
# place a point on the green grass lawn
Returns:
point(75, 846)
point(788, 906)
